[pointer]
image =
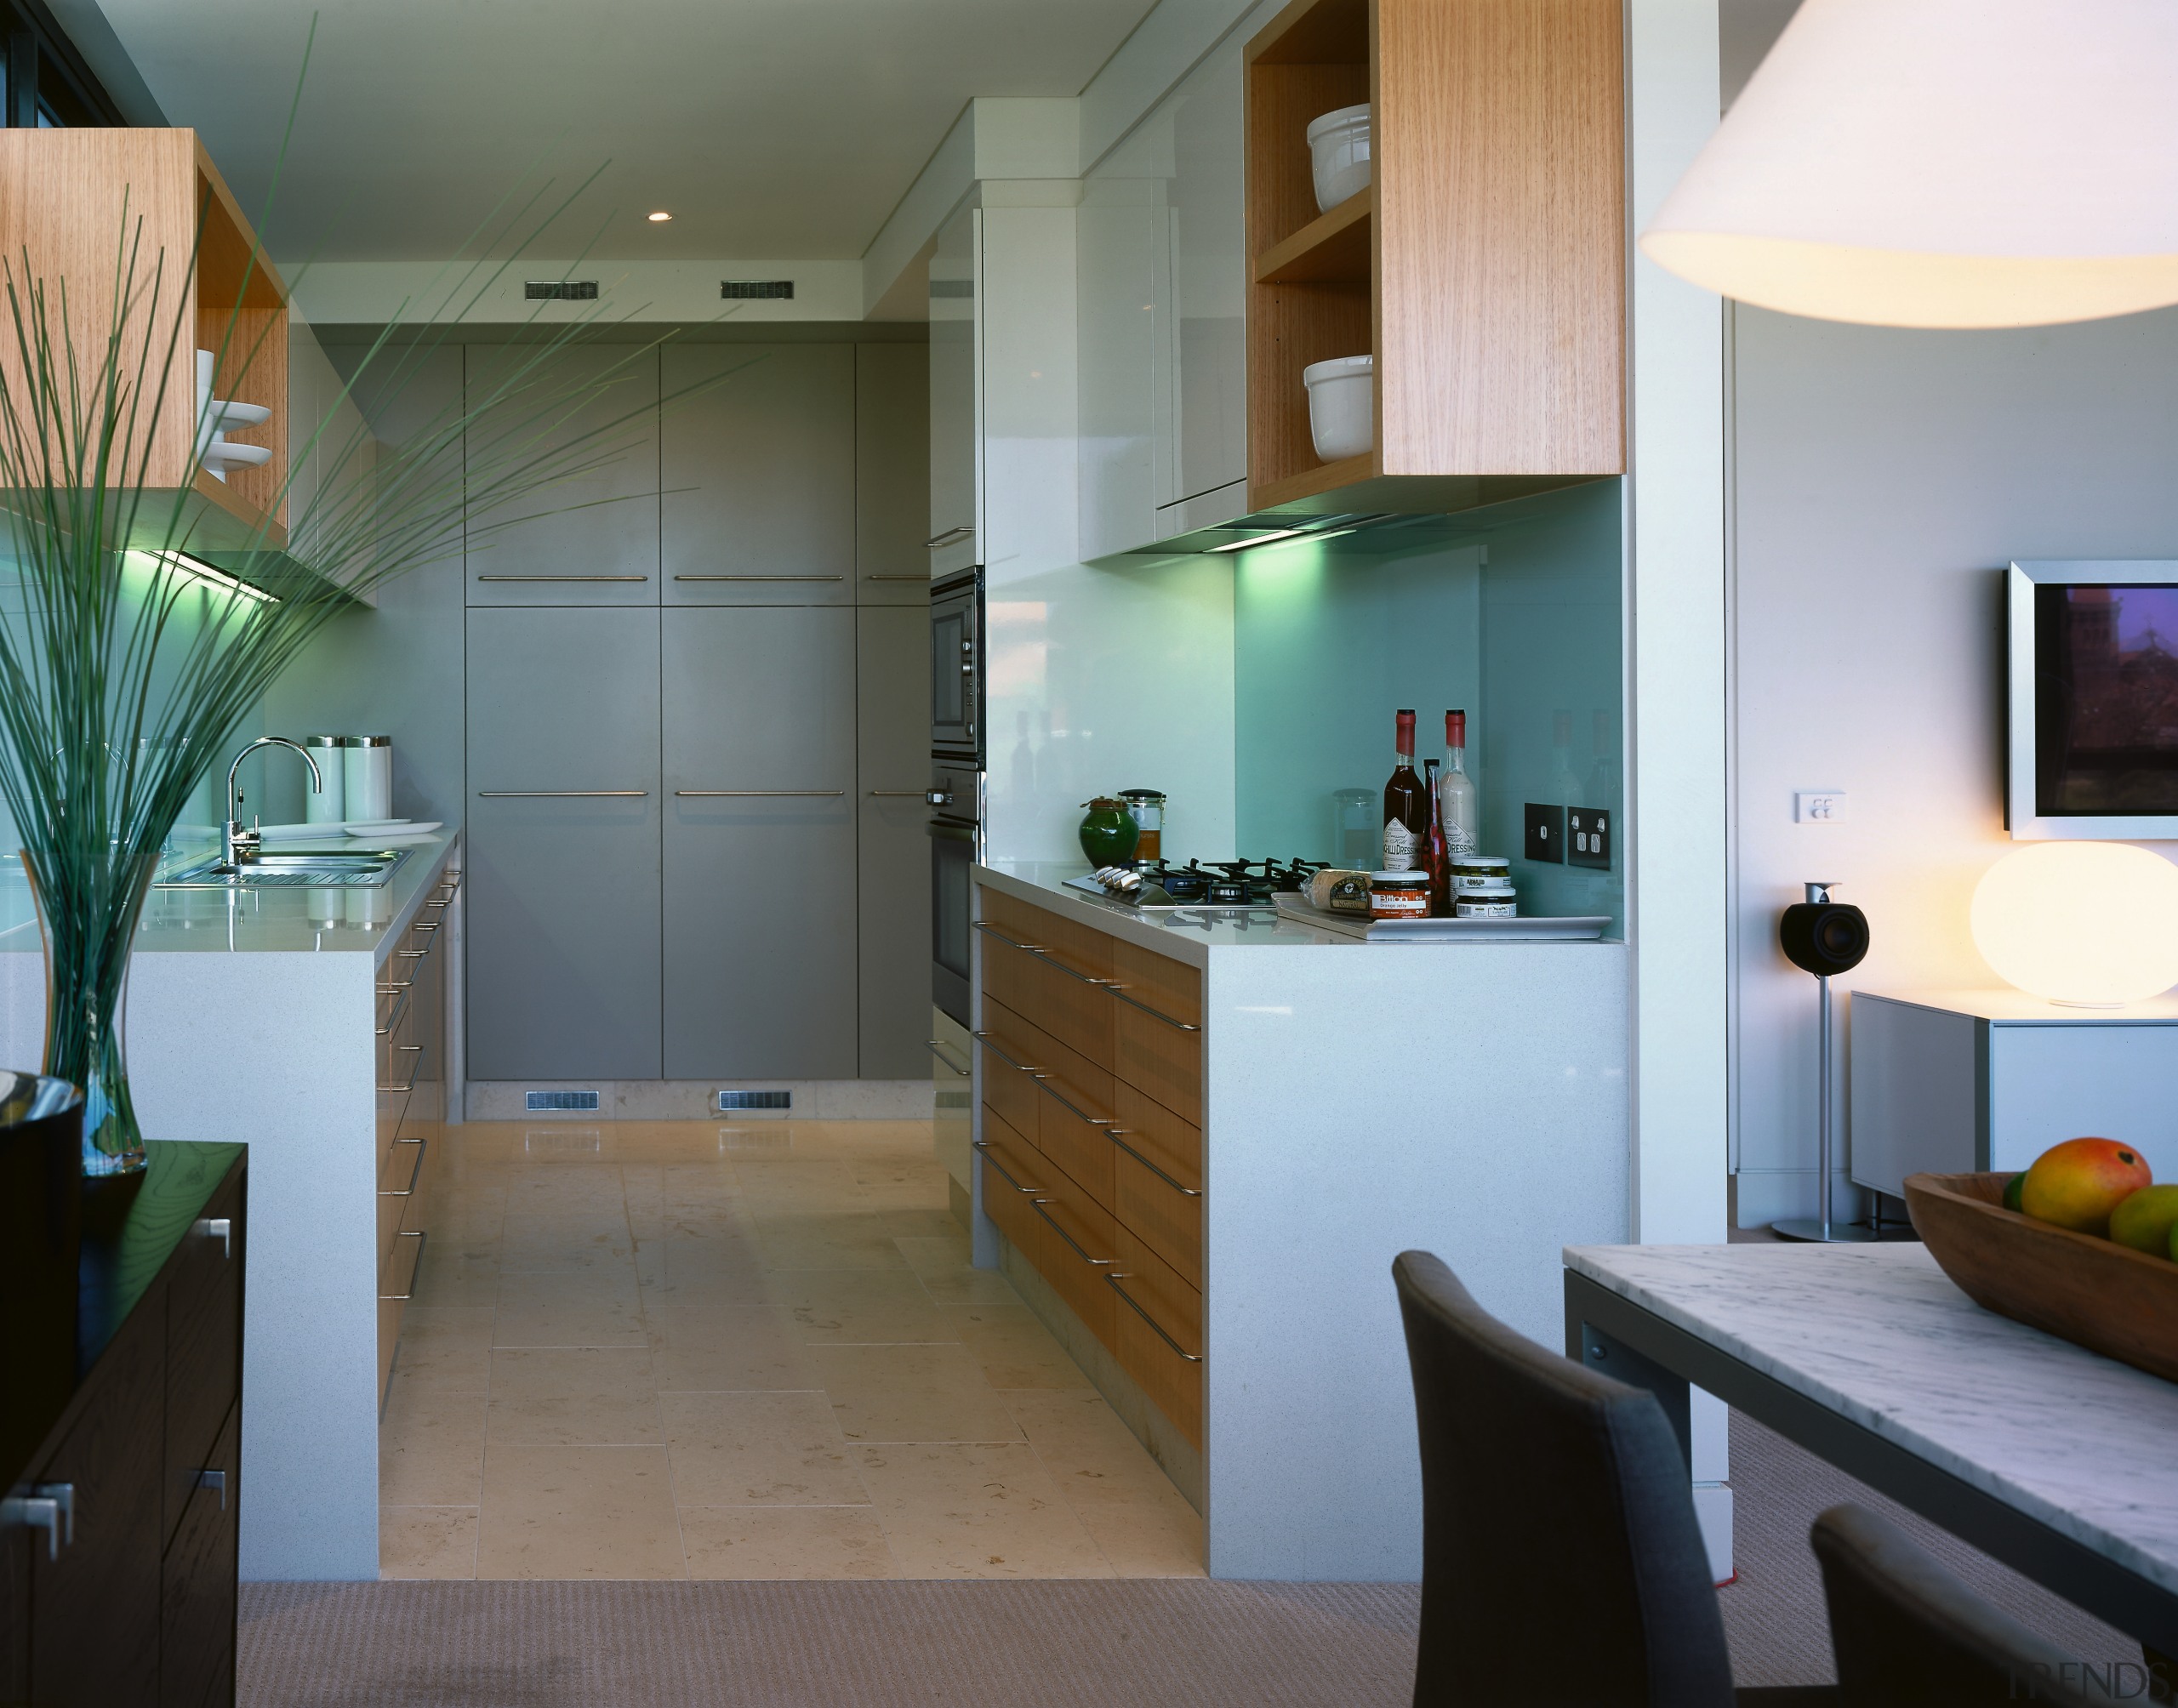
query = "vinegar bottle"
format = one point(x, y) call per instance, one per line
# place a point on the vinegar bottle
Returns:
point(1436, 853)
point(1406, 806)
point(1456, 790)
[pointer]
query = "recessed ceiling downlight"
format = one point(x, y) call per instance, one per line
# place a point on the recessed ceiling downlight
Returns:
point(660, 217)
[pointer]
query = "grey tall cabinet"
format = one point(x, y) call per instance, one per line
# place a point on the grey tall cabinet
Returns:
point(694, 735)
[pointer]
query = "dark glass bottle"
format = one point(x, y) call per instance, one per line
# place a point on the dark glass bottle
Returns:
point(1407, 806)
point(1436, 851)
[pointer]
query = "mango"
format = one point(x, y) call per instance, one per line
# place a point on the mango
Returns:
point(2147, 1220)
point(2012, 1189)
point(2077, 1184)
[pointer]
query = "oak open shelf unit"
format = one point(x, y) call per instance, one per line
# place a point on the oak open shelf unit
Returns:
point(76, 202)
point(1484, 266)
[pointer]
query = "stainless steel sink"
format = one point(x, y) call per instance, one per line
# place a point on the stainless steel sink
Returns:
point(358, 870)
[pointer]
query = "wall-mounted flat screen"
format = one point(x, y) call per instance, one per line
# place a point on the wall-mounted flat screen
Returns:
point(2094, 700)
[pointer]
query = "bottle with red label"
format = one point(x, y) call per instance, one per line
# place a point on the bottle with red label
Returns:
point(1436, 852)
point(1407, 806)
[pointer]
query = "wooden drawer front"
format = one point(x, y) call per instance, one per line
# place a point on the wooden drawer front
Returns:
point(1159, 1325)
point(1083, 1149)
point(1004, 967)
point(197, 1598)
point(400, 1199)
point(1079, 1248)
point(1150, 1206)
point(397, 1282)
point(1082, 948)
point(203, 1361)
point(1161, 1060)
point(1075, 1012)
point(1012, 1176)
point(1008, 1046)
point(1164, 1139)
point(1172, 987)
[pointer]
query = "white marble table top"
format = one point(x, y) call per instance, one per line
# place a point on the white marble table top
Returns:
point(1878, 1333)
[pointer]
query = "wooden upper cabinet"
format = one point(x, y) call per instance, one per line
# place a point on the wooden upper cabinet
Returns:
point(1484, 266)
point(85, 205)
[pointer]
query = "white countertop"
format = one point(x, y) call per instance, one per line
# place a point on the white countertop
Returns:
point(2005, 1006)
point(1879, 1335)
point(246, 920)
point(1185, 934)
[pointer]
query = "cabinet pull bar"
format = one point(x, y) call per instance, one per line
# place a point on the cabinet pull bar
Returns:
point(899, 794)
point(937, 1049)
point(415, 1173)
point(985, 1039)
point(214, 1479)
point(389, 989)
point(1115, 1279)
point(1044, 1081)
point(418, 1234)
point(221, 1228)
point(412, 954)
point(1011, 943)
point(1113, 1133)
point(424, 924)
point(950, 536)
point(896, 577)
point(990, 1157)
point(415, 1068)
point(563, 577)
point(759, 577)
point(562, 794)
point(1037, 1204)
point(400, 1008)
point(1119, 991)
point(757, 794)
point(1041, 954)
point(50, 1507)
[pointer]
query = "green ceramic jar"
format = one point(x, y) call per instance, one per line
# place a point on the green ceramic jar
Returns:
point(1109, 833)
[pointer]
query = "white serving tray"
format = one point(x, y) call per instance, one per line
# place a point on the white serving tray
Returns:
point(1574, 928)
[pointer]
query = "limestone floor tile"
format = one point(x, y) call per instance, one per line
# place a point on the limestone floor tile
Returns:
point(427, 1542)
point(589, 1307)
point(781, 1543)
point(574, 1396)
point(1144, 1525)
point(911, 1393)
point(431, 1442)
point(761, 1449)
point(941, 1264)
point(543, 1243)
point(826, 1240)
point(711, 1348)
point(578, 1512)
point(935, 1222)
point(1013, 1349)
point(976, 1511)
point(858, 1306)
point(724, 1270)
point(445, 1337)
point(456, 1275)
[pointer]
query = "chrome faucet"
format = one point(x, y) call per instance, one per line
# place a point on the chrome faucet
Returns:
point(238, 840)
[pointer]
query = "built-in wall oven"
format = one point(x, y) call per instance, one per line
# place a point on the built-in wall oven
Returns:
point(957, 790)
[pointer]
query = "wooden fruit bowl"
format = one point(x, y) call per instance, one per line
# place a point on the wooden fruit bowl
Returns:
point(2108, 1298)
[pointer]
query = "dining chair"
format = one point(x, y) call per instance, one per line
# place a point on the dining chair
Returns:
point(1907, 1634)
point(1562, 1563)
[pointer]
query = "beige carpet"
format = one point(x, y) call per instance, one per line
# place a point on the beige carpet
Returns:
point(1174, 1644)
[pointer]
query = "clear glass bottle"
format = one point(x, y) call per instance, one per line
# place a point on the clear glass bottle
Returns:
point(1462, 802)
point(1406, 806)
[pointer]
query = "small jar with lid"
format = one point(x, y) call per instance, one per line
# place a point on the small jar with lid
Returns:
point(1488, 900)
point(1398, 895)
point(1146, 806)
point(1474, 871)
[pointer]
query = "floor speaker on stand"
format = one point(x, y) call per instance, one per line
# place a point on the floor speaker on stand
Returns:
point(1825, 936)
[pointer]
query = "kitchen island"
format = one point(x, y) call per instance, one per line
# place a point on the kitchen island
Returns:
point(1203, 1136)
point(305, 1021)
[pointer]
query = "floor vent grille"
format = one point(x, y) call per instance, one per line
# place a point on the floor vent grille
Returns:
point(562, 1099)
point(755, 1100)
point(757, 290)
point(560, 290)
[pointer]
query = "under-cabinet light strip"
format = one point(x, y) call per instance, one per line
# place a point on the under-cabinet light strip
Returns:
point(181, 563)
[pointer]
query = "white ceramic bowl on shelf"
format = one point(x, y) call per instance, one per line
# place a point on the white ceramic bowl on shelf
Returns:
point(1342, 406)
point(1338, 151)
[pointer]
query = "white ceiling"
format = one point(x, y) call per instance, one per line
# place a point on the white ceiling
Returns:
point(771, 128)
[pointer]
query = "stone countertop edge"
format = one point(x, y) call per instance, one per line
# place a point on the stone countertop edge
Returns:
point(2061, 1359)
point(1045, 892)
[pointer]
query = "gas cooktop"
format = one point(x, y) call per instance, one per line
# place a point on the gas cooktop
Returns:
point(1154, 885)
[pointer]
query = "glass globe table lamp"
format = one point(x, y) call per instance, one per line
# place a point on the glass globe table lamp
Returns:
point(2084, 925)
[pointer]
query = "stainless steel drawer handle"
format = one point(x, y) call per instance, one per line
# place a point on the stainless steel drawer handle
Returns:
point(415, 1067)
point(424, 924)
point(1113, 1133)
point(898, 793)
point(415, 1173)
point(1119, 991)
point(990, 1157)
point(896, 577)
point(937, 1047)
point(400, 1009)
point(985, 1039)
point(563, 577)
point(215, 1480)
point(1041, 953)
point(1134, 1305)
point(412, 954)
point(562, 794)
point(950, 536)
point(50, 1507)
point(416, 1269)
point(1037, 1204)
point(388, 989)
point(1081, 1113)
point(1011, 943)
point(758, 793)
point(759, 577)
point(221, 1228)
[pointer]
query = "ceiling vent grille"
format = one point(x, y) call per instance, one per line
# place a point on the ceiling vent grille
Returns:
point(561, 290)
point(755, 1100)
point(562, 1099)
point(759, 290)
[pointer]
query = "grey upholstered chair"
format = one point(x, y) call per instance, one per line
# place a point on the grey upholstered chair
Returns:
point(1907, 1634)
point(1561, 1560)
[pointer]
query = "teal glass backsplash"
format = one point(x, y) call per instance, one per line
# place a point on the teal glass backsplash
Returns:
point(1516, 619)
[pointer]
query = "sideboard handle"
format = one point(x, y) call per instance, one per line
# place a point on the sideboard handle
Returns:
point(214, 1479)
point(220, 1229)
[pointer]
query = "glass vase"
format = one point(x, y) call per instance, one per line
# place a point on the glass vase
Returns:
point(89, 931)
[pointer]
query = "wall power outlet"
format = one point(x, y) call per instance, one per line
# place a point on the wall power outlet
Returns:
point(1818, 806)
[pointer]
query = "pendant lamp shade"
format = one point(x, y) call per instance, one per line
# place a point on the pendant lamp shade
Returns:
point(1944, 163)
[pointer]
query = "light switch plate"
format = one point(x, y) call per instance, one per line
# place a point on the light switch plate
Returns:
point(1818, 806)
point(1546, 835)
point(1587, 837)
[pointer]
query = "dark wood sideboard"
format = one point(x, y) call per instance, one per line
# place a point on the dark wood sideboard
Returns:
point(117, 1550)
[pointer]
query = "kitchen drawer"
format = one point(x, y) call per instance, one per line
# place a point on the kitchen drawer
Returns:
point(197, 1610)
point(1072, 1005)
point(1156, 1209)
point(1159, 1338)
point(399, 1197)
point(1172, 988)
point(1082, 948)
point(1012, 1178)
point(1165, 1141)
point(1006, 1046)
point(1006, 969)
point(1079, 1248)
point(204, 1360)
point(1080, 1147)
point(397, 1284)
point(1157, 1056)
point(1069, 1080)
